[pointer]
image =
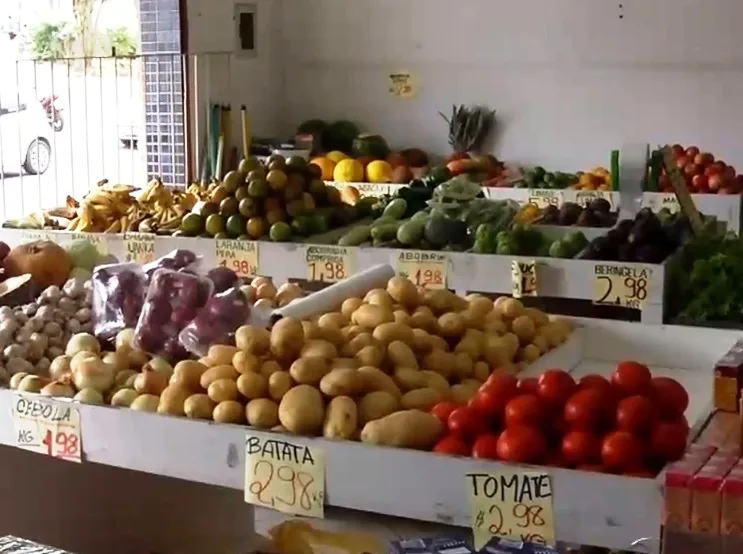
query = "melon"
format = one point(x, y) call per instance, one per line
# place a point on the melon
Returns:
point(82, 253)
point(339, 135)
point(46, 262)
point(372, 146)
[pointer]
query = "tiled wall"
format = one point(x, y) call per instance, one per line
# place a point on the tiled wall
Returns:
point(163, 82)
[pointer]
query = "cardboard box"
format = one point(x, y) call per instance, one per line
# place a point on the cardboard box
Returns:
point(729, 379)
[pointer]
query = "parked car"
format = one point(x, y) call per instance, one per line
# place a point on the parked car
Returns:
point(25, 138)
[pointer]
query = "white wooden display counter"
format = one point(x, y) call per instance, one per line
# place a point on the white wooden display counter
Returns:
point(590, 508)
point(557, 278)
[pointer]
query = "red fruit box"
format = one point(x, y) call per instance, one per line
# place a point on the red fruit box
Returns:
point(678, 477)
point(731, 526)
point(729, 379)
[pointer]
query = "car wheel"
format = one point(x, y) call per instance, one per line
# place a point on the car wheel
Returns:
point(38, 157)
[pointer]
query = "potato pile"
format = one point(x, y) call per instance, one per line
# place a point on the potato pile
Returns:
point(370, 370)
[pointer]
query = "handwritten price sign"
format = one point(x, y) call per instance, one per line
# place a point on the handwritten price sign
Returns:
point(328, 264)
point(542, 198)
point(584, 197)
point(30, 235)
point(283, 476)
point(97, 240)
point(515, 505)
point(402, 85)
point(524, 278)
point(621, 285)
point(241, 256)
point(424, 269)
point(139, 248)
point(47, 427)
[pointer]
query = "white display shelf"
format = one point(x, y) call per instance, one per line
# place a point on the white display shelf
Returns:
point(557, 278)
point(590, 508)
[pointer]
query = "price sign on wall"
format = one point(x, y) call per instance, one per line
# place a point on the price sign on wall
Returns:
point(328, 264)
point(511, 504)
point(621, 285)
point(524, 278)
point(284, 476)
point(139, 248)
point(424, 269)
point(542, 198)
point(47, 427)
point(241, 256)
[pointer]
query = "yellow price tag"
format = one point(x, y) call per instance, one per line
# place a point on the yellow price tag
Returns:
point(424, 269)
point(524, 278)
point(374, 189)
point(98, 240)
point(241, 256)
point(139, 248)
point(285, 476)
point(512, 504)
point(621, 285)
point(328, 264)
point(46, 427)
point(542, 198)
point(670, 202)
point(403, 84)
point(584, 197)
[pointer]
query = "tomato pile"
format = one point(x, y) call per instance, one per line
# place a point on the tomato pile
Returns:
point(631, 424)
point(703, 173)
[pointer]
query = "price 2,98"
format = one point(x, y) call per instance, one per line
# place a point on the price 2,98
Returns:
point(634, 294)
point(526, 519)
point(283, 484)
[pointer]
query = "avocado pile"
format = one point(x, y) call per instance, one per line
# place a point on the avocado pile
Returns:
point(281, 199)
point(647, 238)
point(597, 214)
point(537, 178)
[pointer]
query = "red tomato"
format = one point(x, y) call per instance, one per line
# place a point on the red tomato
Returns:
point(528, 385)
point(501, 380)
point(593, 381)
point(631, 378)
point(668, 440)
point(452, 445)
point(712, 169)
point(683, 161)
point(700, 182)
point(581, 447)
point(635, 414)
point(592, 467)
point(443, 409)
point(491, 399)
point(678, 150)
point(693, 169)
point(730, 173)
point(522, 444)
point(586, 410)
point(466, 423)
point(486, 447)
point(692, 151)
point(715, 182)
point(526, 409)
point(670, 397)
point(555, 386)
point(704, 158)
point(622, 451)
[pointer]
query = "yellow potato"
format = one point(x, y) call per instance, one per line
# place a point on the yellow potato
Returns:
point(341, 419)
point(401, 316)
point(198, 406)
point(464, 366)
point(523, 327)
point(375, 379)
point(402, 291)
point(255, 340)
point(262, 413)
point(401, 355)
point(376, 405)
point(440, 301)
point(245, 362)
point(350, 305)
point(421, 341)
point(339, 363)
point(371, 316)
point(350, 332)
point(319, 349)
point(221, 390)
point(172, 400)
point(423, 318)
point(388, 332)
point(309, 371)
point(406, 429)
point(410, 379)
point(279, 384)
point(421, 399)
point(251, 385)
point(529, 354)
point(357, 343)
point(537, 316)
point(451, 325)
point(512, 308)
point(188, 374)
point(337, 320)
point(217, 372)
point(301, 410)
point(469, 345)
point(379, 297)
point(436, 381)
point(342, 382)
point(437, 343)
point(440, 362)
point(370, 355)
point(220, 354)
point(269, 367)
point(461, 394)
point(229, 411)
point(287, 338)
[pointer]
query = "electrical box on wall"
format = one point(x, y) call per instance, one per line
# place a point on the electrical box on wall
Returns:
point(246, 40)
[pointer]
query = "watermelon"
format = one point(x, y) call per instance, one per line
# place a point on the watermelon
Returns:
point(339, 135)
point(370, 146)
point(312, 127)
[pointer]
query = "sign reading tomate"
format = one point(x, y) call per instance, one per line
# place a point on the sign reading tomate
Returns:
point(511, 504)
point(47, 427)
point(285, 476)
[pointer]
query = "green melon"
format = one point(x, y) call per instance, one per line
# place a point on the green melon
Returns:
point(371, 146)
point(339, 136)
point(312, 127)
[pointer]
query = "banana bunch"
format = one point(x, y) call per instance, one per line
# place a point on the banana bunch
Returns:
point(108, 208)
point(164, 207)
point(201, 193)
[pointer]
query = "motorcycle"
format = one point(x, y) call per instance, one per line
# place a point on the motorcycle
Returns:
point(53, 114)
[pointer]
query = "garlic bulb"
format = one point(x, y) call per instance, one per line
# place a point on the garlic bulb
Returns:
point(93, 373)
point(89, 396)
point(58, 388)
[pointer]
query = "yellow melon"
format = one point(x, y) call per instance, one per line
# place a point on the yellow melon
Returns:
point(335, 156)
point(379, 171)
point(348, 171)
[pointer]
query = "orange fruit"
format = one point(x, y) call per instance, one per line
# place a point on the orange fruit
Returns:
point(327, 166)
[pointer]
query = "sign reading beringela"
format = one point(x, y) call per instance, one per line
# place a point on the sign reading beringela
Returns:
point(621, 271)
point(333, 254)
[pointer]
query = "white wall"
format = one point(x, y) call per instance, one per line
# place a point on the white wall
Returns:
point(570, 79)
